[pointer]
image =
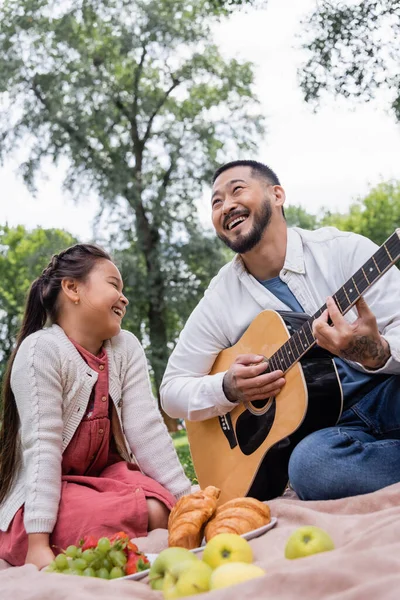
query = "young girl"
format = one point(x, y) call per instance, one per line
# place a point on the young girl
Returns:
point(83, 447)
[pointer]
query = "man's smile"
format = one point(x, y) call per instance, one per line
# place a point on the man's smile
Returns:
point(233, 221)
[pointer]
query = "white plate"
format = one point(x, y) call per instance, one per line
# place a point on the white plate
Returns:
point(247, 536)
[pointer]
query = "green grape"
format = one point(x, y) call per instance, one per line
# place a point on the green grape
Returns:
point(68, 571)
point(51, 568)
point(107, 564)
point(71, 551)
point(103, 545)
point(103, 573)
point(97, 561)
point(117, 557)
point(61, 562)
point(116, 572)
point(76, 572)
point(89, 555)
point(79, 553)
point(79, 563)
point(89, 572)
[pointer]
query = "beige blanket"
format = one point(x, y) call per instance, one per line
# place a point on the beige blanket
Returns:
point(365, 564)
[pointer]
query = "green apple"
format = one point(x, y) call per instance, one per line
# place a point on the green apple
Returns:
point(165, 561)
point(232, 573)
point(227, 547)
point(186, 579)
point(306, 541)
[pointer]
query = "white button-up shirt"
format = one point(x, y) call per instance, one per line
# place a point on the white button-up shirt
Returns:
point(317, 264)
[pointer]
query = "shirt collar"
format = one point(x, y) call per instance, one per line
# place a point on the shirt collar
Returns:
point(294, 260)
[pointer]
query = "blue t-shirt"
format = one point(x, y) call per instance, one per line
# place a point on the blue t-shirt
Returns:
point(351, 379)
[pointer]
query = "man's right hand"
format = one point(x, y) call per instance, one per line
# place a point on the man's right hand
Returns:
point(246, 380)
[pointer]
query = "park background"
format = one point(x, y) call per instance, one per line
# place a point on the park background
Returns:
point(114, 114)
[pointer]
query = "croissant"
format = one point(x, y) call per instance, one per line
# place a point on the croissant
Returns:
point(189, 515)
point(239, 515)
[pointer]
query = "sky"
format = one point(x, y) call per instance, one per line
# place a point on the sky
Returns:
point(324, 159)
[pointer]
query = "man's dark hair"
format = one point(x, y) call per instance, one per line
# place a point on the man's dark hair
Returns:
point(257, 168)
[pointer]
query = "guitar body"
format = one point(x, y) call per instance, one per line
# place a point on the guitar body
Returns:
point(246, 452)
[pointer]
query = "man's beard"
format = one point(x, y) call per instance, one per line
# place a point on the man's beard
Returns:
point(245, 243)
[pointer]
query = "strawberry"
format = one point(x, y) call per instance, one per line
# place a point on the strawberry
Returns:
point(88, 541)
point(120, 535)
point(122, 538)
point(137, 561)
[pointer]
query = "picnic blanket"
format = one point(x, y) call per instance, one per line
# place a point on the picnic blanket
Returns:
point(365, 564)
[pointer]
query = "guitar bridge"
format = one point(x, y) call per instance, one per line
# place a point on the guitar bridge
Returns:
point(226, 425)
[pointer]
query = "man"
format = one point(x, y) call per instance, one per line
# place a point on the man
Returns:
point(283, 268)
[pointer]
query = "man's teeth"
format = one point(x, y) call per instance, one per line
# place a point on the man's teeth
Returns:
point(236, 222)
point(118, 312)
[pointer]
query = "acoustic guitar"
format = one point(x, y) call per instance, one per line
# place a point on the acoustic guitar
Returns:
point(246, 452)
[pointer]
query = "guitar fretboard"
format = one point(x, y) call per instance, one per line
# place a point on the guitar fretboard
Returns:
point(302, 340)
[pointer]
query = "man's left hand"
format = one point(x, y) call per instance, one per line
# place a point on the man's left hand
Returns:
point(359, 341)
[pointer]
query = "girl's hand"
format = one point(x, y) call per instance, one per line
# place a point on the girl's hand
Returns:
point(39, 551)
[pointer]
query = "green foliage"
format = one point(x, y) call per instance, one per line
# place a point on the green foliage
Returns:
point(226, 6)
point(144, 107)
point(297, 216)
point(187, 265)
point(354, 50)
point(23, 256)
point(121, 88)
point(376, 216)
point(182, 448)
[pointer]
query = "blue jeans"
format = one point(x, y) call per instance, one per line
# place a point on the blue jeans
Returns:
point(361, 454)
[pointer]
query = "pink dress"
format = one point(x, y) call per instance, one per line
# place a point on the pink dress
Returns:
point(101, 493)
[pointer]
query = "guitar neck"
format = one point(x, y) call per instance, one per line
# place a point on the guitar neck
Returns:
point(346, 296)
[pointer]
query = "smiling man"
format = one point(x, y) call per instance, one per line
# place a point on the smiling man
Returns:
point(290, 269)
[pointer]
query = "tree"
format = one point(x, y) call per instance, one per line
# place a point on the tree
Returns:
point(226, 6)
point(376, 216)
point(141, 103)
point(354, 50)
point(188, 266)
point(23, 256)
point(297, 216)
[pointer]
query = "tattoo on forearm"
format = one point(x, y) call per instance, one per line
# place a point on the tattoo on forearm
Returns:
point(229, 387)
point(364, 349)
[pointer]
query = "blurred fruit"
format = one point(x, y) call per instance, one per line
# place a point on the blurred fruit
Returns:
point(71, 551)
point(61, 561)
point(225, 548)
point(165, 561)
point(186, 579)
point(107, 558)
point(103, 545)
point(136, 562)
point(308, 540)
point(122, 536)
point(116, 572)
point(88, 541)
point(232, 573)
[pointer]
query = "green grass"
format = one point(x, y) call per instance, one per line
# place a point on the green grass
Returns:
point(182, 448)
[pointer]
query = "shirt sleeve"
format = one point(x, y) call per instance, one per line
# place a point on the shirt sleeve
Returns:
point(144, 426)
point(36, 384)
point(187, 390)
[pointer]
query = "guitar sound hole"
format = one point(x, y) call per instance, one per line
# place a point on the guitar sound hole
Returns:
point(251, 430)
point(260, 403)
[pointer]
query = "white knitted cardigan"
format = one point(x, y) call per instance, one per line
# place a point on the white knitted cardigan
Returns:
point(52, 386)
